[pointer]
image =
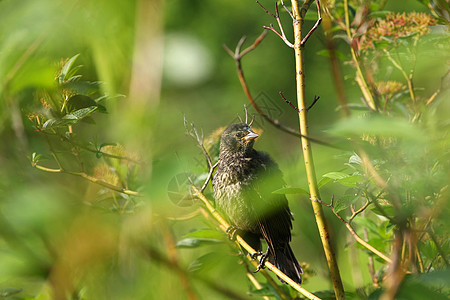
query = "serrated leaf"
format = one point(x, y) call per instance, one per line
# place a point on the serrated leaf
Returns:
point(290, 190)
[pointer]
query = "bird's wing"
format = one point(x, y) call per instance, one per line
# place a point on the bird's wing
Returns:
point(274, 215)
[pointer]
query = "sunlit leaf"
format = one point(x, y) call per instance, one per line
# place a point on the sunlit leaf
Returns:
point(65, 69)
point(351, 181)
point(196, 242)
point(336, 175)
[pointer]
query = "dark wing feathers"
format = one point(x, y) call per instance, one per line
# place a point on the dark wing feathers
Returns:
point(276, 221)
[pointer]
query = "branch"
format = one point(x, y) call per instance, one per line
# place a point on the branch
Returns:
point(319, 20)
point(353, 232)
point(237, 56)
point(322, 226)
point(359, 74)
point(193, 133)
point(89, 178)
point(277, 17)
point(224, 225)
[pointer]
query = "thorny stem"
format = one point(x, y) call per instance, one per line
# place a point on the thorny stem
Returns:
point(299, 15)
point(224, 225)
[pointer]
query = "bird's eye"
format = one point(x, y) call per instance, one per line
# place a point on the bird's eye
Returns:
point(239, 135)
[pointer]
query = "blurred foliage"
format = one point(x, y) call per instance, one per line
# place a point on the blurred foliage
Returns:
point(94, 200)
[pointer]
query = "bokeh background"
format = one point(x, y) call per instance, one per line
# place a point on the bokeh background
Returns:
point(160, 62)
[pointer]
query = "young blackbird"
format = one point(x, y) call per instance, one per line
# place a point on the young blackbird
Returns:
point(243, 186)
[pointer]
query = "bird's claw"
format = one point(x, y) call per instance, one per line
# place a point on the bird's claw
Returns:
point(262, 261)
point(231, 231)
point(256, 254)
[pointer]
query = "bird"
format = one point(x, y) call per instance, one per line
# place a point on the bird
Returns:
point(242, 187)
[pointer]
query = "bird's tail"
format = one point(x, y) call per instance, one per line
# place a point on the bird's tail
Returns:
point(284, 259)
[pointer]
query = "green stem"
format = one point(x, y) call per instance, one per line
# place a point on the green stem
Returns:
point(299, 14)
point(359, 74)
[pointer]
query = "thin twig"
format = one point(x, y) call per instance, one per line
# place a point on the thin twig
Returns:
point(106, 154)
point(316, 98)
point(193, 133)
point(353, 232)
point(277, 17)
point(224, 225)
point(319, 20)
point(355, 213)
point(237, 56)
point(89, 178)
point(359, 74)
point(289, 102)
point(287, 9)
point(211, 171)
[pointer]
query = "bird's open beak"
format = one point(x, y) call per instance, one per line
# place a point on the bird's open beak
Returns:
point(250, 136)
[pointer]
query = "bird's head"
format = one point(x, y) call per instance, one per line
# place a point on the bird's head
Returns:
point(238, 138)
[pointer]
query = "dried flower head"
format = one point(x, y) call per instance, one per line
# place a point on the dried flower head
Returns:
point(389, 88)
point(396, 26)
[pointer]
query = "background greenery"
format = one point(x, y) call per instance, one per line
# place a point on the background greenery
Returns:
point(63, 236)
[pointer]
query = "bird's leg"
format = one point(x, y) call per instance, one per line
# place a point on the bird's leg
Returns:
point(231, 231)
point(256, 254)
point(262, 261)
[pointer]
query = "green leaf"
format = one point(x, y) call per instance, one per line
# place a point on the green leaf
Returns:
point(343, 202)
point(80, 114)
point(378, 125)
point(66, 68)
point(291, 190)
point(79, 101)
point(355, 159)
point(389, 209)
point(323, 182)
point(351, 181)
point(6, 293)
point(204, 262)
point(196, 242)
point(368, 223)
point(336, 175)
